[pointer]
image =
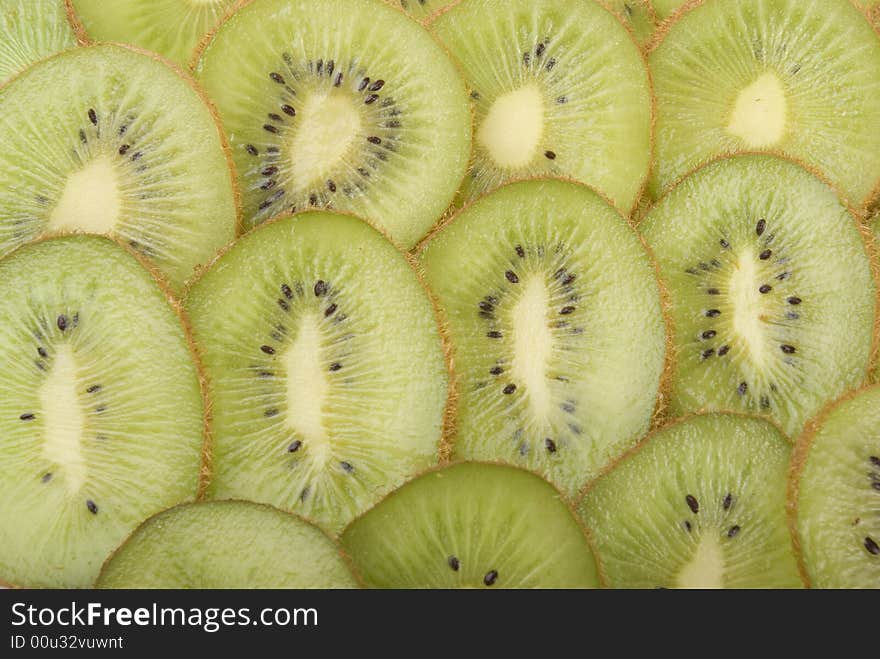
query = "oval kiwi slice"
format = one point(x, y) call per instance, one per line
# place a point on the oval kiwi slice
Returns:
point(226, 544)
point(834, 494)
point(554, 315)
point(793, 77)
point(559, 88)
point(109, 140)
point(700, 504)
point(772, 293)
point(101, 413)
point(326, 365)
point(29, 31)
point(472, 526)
point(321, 111)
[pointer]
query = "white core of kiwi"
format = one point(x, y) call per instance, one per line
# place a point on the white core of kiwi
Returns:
point(760, 113)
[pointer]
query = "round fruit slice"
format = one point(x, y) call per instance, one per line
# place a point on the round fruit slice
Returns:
point(101, 413)
point(327, 372)
point(227, 544)
point(559, 88)
point(29, 31)
point(771, 289)
point(554, 313)
point(793, 77)
point(322, 111)
point(171, 28)
point(472, 526)
point(109, 140)
point(700, 504)
point(834, 494)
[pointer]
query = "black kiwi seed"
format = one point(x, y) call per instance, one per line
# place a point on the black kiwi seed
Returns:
point(713, 291)
point(794, 300)
point(42, 352)
point(520, 252)
point(550, 155)
point(509, 389)
point(550, 445)
point(320, 288)
point(372, 98)
point(275, 117)
point(485, 306)
point(276, 77)
point(251, 149)
point(567, 310)
point(28, 416)
point(692, 503)
point(335, 366)
point(728, 501)
point(875, 461)
point(376, 86)
point(453, 562)
point(46, 477)
point(294, 446)
point(283, 304)
point(492, 576)
point(287, 291)
point(511, 277)
point(374, 140)
point(95, 388)
point(329, 311)
point(92, 506)
point(742, 388)
point(93, 116)
point(61, 322)
point(346, 466)
point(269, 128)
point(724, 243)
point(733, 531)
point(288, 110)
point(766, 254)
point(269, 350)
point(496, 370)
point(765, 288)
point(304, 494)
point(494, 334)
point(723, 350)
point(707, 353)
point(787, 349)
point(872, 546)
point(709, 334)
point(270, 413)
point(713, 313)
point(759, 228)
point(331, 186)
point(124, 149)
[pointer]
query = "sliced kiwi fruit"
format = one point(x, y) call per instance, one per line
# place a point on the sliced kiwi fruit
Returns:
point(771, 288)
point(783, 76)
point(834, 494)
point(700, 504)
point(226, 544)
point(558, 88)
point(101, 411)
point(472, 525)
point(171, 28)
point(422, 10)
point(638, 15)
point(109, 140)
point(554, 315)
point(31, 30)
point(327, 372)
point(322, 112)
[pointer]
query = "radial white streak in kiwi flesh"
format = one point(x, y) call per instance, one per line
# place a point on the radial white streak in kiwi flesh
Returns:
point(90, 202)
point(513, 127)
point(63, 419)
point(745, 298)
point(706, 568)
point(760, 112)
point(533, 344)
point(328, 126)
point(307, 388)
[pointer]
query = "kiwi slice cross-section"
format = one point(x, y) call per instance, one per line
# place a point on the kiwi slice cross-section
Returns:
point(771, 288)
point(472, 525)
point(327, 371)
point(342, 104)
point(101, 413)
point(227, 544)
point(559, 88)
point(700, 504)
point(29, 31)
point(109, 140)
point(784, 76)
point(554, 315)
point(834, 494)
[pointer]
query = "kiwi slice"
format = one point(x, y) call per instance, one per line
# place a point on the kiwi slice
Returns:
point(29, 31)
point(784, 76)
point(171, 28)
point(772, 294)
point(555, 319)
point(638, 15)
point(328, 378)
point(226, 544)
point(472, 525)
point(101, 413)
point(834, 494)
point(321, 111)
point(109, 140)
point(699, 504)
point(558, 88)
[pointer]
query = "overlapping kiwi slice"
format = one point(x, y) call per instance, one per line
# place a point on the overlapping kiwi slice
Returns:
point(472, 525)
point(226, 544)
point(108, 140)
point(31, 30)
point(554, 314)
point(559, 88)
point(101, 414)
point(792, 77)
point(343, 104)
point(834, 494)
point(700, 504)
point(771, 287)
point(326, 367)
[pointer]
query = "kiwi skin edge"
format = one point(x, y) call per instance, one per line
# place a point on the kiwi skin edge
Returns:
point(79, 29)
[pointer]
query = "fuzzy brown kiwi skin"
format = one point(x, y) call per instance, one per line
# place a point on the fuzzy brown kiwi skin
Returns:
point(345, 557)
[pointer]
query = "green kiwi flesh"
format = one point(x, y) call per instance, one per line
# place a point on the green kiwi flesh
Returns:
point(107, 140)
point(101, 413)
point(771, 290)
point(31, 30)
point(472, 526)
point(554, 314)
point(785, 76)
point(321, 112)
point(836, 495)
point(701, 504)
point(638, 15)
point(326, 367)
point(226, 544)
point(558, 89)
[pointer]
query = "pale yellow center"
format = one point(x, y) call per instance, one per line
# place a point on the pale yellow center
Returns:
point(90, 202)
point(327, 127)
point(706, 568)
point(512, 130)
point(760, 112)
point(533, 344)
point(747, 305)
point(307, 387)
